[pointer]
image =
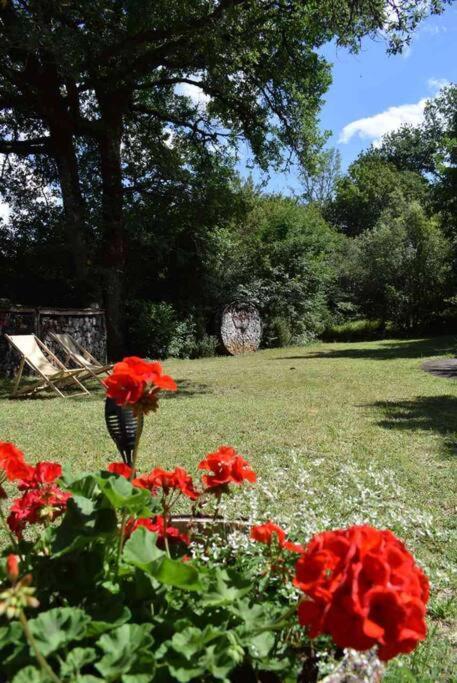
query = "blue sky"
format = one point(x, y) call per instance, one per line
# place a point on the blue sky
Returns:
point(373, 92)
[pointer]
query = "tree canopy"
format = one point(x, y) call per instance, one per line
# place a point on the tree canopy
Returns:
point(82, 84)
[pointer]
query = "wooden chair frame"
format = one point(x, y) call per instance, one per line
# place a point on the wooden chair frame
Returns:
point(93, 367)
point(61, 377)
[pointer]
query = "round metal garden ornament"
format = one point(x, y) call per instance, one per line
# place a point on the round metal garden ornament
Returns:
point(241, 327)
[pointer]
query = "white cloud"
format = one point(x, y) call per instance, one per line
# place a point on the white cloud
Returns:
point(437, 83)
point(432, 29)
point(196, 94)
point(374, 127)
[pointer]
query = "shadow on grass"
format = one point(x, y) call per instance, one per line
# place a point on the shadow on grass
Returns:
point(6, 387)
point(186, 389)
point(418, 348)
point(428, 413)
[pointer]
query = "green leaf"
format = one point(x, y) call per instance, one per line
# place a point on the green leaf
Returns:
point(58, 627)
point(76, 659)
point(228, 587)
point(127, 650)
point(191, 640)
point(176, 573)
point(142, 552)
point(141, 549)
point(30, 674)
point(137, 678)
point(261, 645)
point(106, 617)
point(184, 673)
point(85, 485)
point(123, 496)
point(10, 634)
point(82, 524)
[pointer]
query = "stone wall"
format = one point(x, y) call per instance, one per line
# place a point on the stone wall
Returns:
point(87, 326)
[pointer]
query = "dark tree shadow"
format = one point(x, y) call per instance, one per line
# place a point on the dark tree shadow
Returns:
point(187, 388)
point(417, 348)
point(428, 413)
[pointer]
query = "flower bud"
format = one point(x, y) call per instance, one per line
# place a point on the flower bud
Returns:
point(12, 567)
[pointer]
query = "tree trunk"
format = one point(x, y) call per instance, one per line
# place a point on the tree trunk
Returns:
point(73, 201)
point(113, 241)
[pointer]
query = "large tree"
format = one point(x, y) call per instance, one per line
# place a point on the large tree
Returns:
point(83, 73)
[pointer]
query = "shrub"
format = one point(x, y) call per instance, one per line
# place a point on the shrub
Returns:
point(277, 333)
point(152, 327)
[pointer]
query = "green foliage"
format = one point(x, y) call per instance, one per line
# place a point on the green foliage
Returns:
point(281, 259)
point(151, 327)
point(144, 610)
point(370, 186)
point(399, 270)
point(277, 333)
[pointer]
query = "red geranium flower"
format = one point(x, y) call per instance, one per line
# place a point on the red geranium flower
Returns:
point(227, 467)
point(136, 381)
point(124, 388)
point(42, 473)
point(121, 469)
point(12, 462)
point(177, 479)
point(37, 506)
point(364, 589)
point(157, 526)
point(269, 532)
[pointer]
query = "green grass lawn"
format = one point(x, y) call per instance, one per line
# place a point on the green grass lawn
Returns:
point(338, 433)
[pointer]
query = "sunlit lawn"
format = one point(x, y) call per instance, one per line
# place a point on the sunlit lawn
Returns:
point(367, 432)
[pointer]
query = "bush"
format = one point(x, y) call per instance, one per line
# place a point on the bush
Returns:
point(206, 347)
point(277, 333)
point(152, 328)
point(156, 332)
point(400, 270)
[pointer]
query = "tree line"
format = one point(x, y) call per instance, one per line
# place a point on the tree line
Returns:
point(123, 189)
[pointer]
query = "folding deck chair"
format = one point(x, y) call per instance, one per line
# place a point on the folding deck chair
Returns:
point(81, 356)
point(44, 363)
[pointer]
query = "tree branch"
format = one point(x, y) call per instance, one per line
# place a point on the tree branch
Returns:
point(160, 34)
point(25, 147)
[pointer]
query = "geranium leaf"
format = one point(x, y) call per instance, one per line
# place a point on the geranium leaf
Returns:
point(106, 617)
point(121, 495)
point(57, 627)
point(191, 640)
point(82, 524)
point(127, 649)
point(176, 573)
point(227, 588)
point(141, 549)
point(76, 659)
point(30, 674)
point(260, 646)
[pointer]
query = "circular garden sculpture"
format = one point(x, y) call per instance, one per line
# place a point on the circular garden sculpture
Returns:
point(241, 327)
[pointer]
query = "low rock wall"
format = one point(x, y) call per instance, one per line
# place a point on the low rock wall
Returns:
point(86, 326)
